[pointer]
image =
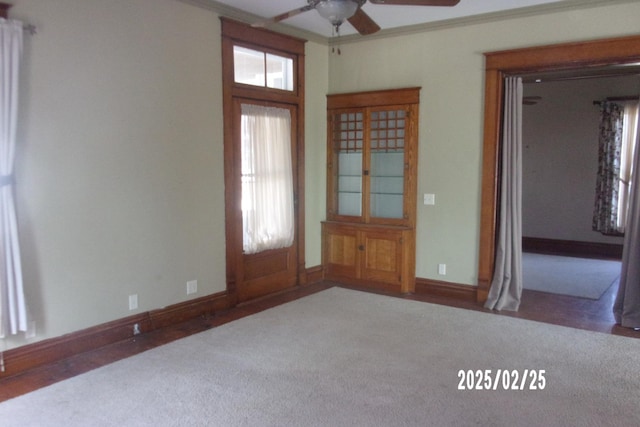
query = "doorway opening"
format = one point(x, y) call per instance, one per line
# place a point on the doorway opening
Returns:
point(556, 58)
point(562, 254)
point(263, 101)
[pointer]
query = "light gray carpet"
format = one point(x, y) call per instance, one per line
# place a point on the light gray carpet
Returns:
point(347, 358)
point(579, 277)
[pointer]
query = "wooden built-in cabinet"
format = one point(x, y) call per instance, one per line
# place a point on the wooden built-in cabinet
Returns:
point(372, 256)
point(369, 235)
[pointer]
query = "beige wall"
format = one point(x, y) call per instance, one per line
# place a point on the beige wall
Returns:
point(448, 65)
point(120, 168)
point(317, 86)
point(120, 160)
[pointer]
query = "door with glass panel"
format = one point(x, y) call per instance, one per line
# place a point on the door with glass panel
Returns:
point(368, 165)
point(346, 167)
point(265, 225)
point(386, 168)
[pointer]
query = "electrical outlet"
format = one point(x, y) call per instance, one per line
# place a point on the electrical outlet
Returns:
point(192, 287)
point(442, 269)
point(136, 329)
point(429, 199)
point(133, 301)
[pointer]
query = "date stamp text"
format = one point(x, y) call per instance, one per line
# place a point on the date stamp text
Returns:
point(502, 379)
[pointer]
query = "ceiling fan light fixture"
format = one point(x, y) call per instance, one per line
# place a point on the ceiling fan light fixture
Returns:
point(336, 11)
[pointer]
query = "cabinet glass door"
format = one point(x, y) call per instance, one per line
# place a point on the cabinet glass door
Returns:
point(348, 145)
point(387, 163)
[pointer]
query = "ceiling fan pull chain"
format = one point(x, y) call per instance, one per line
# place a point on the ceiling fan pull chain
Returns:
point(335, 49)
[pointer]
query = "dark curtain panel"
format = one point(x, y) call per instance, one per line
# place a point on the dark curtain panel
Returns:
point(605, 212)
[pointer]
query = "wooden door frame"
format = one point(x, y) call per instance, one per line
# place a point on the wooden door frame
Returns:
point(498, 65)
point(237, 32)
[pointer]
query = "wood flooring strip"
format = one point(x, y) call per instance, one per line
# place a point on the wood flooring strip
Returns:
point(538, 306)
point(41, 353)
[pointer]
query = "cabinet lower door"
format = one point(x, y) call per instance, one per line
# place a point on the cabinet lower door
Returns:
point(341, 252)
point(382, 256)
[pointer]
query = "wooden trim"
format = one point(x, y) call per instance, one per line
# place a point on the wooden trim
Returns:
point(572, 248)
point(32, 356)
point(314, 275)
point(300, 171)
point(267, 38)
point(52, 350)
point(368, 286)
point(446, 289)
point(4, 10)
point(614, 51)
point(374, 98)
point(598, 53)
point(230, 190)
point(490, 161)
point(183, 311)
point(237, 32)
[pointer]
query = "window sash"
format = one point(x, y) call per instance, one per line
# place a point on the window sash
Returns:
point(263, 69)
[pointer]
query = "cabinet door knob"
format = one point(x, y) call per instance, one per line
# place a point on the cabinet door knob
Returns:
point(361, 247)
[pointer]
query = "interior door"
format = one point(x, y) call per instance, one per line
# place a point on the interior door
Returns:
point(262, 271)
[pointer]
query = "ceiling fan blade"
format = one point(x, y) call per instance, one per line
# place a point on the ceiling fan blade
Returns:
point(284, 16)
point(363, 23)
point(417, 2)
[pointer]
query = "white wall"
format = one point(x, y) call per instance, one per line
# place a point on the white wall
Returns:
point(120, 162)
point(560, 156)
point(448, 64)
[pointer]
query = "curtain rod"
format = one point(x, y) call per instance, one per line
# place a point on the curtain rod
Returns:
point(4, 13)
point(618, 98)
point(30, 28)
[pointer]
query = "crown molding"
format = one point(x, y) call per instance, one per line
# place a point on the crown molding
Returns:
point(248, 18)
point(543, 9)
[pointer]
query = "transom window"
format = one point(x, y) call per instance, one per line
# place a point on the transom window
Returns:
point(263, 69)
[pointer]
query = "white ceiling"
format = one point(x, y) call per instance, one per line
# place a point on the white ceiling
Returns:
point(386, 16)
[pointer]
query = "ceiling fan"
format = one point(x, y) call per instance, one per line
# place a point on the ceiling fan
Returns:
point(337, 11)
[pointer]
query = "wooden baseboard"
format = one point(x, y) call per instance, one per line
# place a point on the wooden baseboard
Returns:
point(572, 248)
point(446, 289)
point(314, 274)
point(53, 350)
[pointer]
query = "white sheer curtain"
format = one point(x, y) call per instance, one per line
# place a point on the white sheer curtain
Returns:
point(267, 178)
point(13, 313)
point(629, 133)
point(506, 287)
